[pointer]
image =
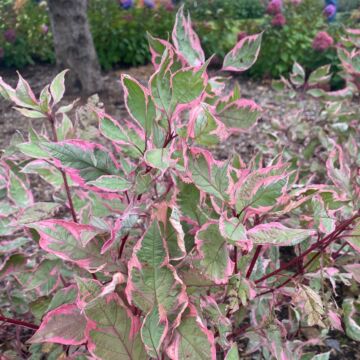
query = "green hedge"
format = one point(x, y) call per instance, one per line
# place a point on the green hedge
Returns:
point(120, 35)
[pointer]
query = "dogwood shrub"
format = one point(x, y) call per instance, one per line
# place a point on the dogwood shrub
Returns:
point(151, 247)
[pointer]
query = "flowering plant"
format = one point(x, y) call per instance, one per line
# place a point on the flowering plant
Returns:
point(151, 247)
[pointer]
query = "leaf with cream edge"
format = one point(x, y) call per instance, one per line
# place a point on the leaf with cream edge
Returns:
point(64, 325)
point(75, 243)
point(186, 41)
point(139, 103)
point(215, 260)
point(240, 115)
point(158, 158)
point(244, 54)
point(130, 137)
point(153, 282)
point(57, 87)
point(204, 127)
point(351, 319)
point(188, 85)
point(252, 185)
point(192, 340)
point(233, 230)
point(339, 175)
point(82, 160)
point(153, 331)
point(353, 237)
point(113, 331)
point(111, 183)
point(233, 353)
point(275, 233)
point(207, 174)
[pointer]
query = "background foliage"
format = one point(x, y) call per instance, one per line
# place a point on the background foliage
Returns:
point(120, 35)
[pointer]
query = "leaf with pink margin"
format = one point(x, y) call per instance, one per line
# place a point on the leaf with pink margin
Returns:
point(45, 278)
point(158, 158)
point(325, 223)
point(233, 353)
point(82, 160)
point(113, 331)
point(111, 183)
point(192, 340)
point(75, 243)
point(351, 318)
point(240, 115)
point(13, 264)
point(157, 49)
point(130, 137)
point(354, 270)
point(207, 174)
point(217, 318)
point(353, 236)
point(215, 260)
point(339, 174)
point(188, 85)
point(21, 96)
point(18, 191)
point(275, 233)
point(186, 41)
point(160, 83)
point(153, 281)
point(204, 127)
point(246, 188)
point(233, 230)
point(172, 230)
point(138, 103)
point(153, 331)
point(244, 54)
point(64, 325)
point(46, 171)
point(57, 86)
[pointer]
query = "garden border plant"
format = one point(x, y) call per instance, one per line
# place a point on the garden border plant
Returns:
point(166, 252)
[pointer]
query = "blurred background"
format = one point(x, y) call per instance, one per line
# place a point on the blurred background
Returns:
point(119, 29)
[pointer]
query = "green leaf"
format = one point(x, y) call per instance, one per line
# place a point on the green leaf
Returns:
point(208, 176)
point(187, 85)
point(111, 183)
point(277, 234)
point(353, 237)
point(215, 261)
point(192, 341)
point(152, 280)
point(139, 104)
point(116, 335)
point(31, 114)
point(351, 319)
point(244, 54)
point(57, 87)
point(11, 245)
point(36, 212)
point(233, 353)
point(158, 158)
point(33, 150)
point(153, 331)
point(84, 161)
point(240, 114)
point(186, 41)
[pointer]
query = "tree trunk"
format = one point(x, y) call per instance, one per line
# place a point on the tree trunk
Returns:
point(74, 47)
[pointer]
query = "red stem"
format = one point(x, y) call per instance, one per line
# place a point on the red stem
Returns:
point(253, 261)
point(19, 322)
point(51, 119)
point(122, 246)
point(326, 240)
point(236, 259)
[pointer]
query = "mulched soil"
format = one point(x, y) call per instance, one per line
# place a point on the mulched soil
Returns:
point(275, 108)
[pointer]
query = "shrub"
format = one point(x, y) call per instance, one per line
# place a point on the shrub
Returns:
point(22, 36)
point(120, 35)
point(161, 250)
point(289, 39)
